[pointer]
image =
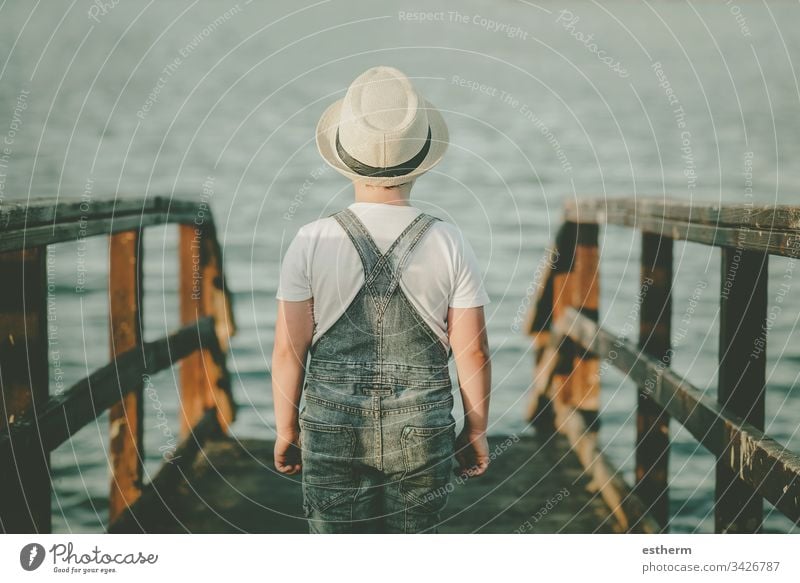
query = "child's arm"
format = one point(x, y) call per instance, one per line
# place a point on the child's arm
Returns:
point(293, 332)
point(470, 345)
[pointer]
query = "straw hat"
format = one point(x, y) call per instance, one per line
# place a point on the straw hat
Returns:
point(383, 132)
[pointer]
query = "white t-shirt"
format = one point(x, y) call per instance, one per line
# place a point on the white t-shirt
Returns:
point(321, 262)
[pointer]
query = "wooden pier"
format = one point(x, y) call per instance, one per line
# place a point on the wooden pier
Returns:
point(551, 478)
point(536, 485)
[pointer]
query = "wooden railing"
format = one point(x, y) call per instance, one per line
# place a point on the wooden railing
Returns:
point(571, 349)
point(33, 421)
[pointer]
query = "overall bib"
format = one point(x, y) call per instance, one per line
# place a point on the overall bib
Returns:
point(377, 431)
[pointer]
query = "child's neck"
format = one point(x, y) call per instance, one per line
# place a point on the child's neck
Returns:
point(398, 195)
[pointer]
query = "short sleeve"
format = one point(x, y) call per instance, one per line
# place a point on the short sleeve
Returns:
point(468, 291)
point(295, 283)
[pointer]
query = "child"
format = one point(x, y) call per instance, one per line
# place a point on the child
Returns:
point(379, 294)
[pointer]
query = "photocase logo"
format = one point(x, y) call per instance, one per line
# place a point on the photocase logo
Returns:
point(31, 556)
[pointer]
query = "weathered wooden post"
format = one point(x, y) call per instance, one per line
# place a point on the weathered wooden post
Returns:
point(203, 381)
point(585, 289)
point(560, 388)
point(25, 486)
point(126, 417)
point(652, 422)
point(742, 373)
point(563, 374)
point(554, 357)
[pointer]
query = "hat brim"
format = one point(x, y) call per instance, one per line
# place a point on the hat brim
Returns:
point(326, 144)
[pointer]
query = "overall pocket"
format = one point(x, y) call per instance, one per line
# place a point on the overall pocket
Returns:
point(327, 455)
point(427, 455)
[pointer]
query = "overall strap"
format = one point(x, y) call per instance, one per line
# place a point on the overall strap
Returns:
point(401, 250)
point(389, 264)
point(367, 249)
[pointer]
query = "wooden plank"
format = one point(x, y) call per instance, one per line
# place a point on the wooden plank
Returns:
point(652, 422)
point(777, 217)
point(629, 511)
point(16, 215)
point(36, 212)
point(73, 231)
point(742, 378)
point(758, 460)
point(771, 217)
point(126, 421)
point(49, 222)
point(784, 243)
point(25, 487)
point(204, 381)
point(63, 415)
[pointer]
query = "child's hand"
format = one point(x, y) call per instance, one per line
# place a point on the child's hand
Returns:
point(472, 453)
point(287, 452)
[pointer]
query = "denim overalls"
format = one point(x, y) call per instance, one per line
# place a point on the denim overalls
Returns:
point(377, 431)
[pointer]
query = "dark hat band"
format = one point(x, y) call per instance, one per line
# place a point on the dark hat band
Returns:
point(388, 171)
